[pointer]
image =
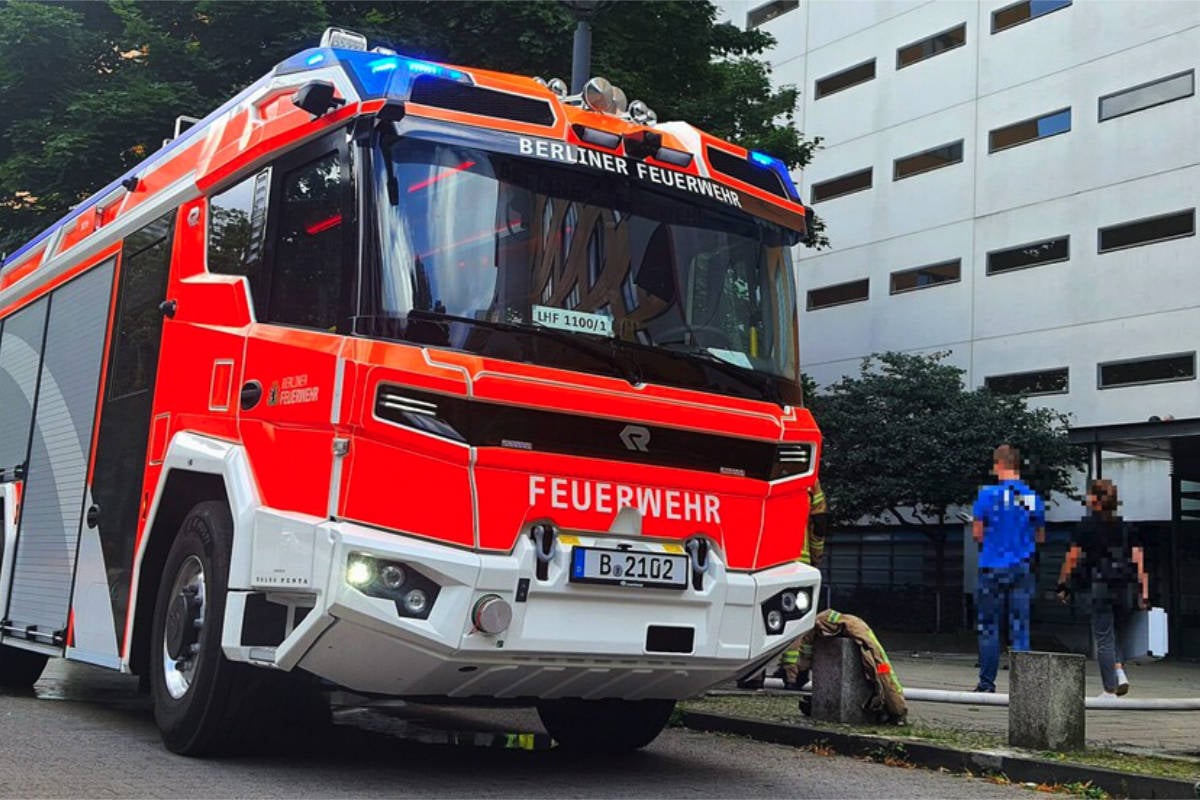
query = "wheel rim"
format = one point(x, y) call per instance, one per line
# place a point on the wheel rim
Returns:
point(185, 623)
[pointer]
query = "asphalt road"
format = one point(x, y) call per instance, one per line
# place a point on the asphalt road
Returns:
point(88, 733)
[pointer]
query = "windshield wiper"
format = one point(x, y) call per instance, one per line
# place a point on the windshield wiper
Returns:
point(764, 383)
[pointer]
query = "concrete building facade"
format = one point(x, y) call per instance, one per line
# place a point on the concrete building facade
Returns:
point(1016, 184)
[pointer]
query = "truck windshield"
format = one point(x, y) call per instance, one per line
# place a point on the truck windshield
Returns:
point(487, 252)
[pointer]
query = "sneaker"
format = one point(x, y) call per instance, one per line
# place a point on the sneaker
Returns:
point(984, 689)
point(1122, 683)
point(1106, 695)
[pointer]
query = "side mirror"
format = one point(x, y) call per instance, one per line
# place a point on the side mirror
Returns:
point(317, 98)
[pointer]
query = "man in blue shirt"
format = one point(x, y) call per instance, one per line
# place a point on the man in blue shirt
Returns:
point(1009, 521)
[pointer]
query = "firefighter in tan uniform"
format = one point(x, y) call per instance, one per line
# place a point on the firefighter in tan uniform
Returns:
point(814, 549)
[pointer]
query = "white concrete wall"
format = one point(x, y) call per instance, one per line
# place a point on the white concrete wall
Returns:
point(1089, 309)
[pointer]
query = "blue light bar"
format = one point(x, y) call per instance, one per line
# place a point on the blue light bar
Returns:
point(779, 168)
point(391, 63)
point(375, 74)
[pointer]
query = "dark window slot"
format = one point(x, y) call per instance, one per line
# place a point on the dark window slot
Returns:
point(1158, 369)
point(929, 275)
point(927, 160)
point(850, 292)
point(1148, 231)
point(1009, 16)
point(1033, 254)
point(928, 48)
point(842, 185)
point(763, 14)
point(1048, 381)
point(832, 84)
point(1030, 130)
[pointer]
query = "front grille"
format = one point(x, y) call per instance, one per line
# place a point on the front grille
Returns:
point(483, 424)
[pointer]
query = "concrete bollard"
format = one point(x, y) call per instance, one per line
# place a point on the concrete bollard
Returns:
point(840, 692)
point(1045, 701)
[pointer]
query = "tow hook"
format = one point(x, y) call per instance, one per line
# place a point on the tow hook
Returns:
point(545, 539)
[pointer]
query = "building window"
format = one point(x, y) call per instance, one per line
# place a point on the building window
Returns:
point(1148, 231)
point(769, 11)
point(1148, 95)
point(1033, 254)
point(1007, 17)
point(1030, 130)
point(831, 84)
point(1157, 369)
point(843, 184)
point(929, 275)
point(840, 294)
point(1047, 381)
point(933, 158)
point(928, 48)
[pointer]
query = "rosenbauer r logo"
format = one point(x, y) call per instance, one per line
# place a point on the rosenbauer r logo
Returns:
point(636, 438)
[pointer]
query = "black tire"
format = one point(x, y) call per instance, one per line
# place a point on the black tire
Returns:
point(604, 726)
point(227, 707)
point(199, 721)
point(20, 669)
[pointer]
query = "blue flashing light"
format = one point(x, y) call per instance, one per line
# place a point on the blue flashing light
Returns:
point(315, 59)
point(779, 168)
point(393, 63)
point(384, 64)
point(762, 159)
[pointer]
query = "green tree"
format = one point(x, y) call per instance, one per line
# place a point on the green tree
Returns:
point(88, 89)
point(905, 440)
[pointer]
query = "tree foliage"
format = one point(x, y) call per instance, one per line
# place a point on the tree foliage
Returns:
point(905, 439)
point(88, 89)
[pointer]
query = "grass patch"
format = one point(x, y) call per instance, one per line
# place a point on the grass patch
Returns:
point(783, 708)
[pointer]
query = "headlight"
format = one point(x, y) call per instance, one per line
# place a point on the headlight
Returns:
point(413, 593)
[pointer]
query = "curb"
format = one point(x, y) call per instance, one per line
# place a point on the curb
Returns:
point(1017, 768)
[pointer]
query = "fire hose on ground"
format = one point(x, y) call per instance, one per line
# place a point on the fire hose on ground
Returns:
point(775, 686)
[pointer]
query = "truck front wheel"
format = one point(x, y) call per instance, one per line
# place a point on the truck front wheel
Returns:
point(190, 678)
point(604, 726)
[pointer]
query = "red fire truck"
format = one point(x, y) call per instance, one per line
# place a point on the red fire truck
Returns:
point(419, 380)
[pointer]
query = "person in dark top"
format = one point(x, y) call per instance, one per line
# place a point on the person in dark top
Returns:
point(1107, 560)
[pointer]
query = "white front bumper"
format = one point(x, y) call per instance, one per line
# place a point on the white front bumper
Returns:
point(565, 640)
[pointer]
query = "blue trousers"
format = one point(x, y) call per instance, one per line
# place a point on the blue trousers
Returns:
point(999, 587)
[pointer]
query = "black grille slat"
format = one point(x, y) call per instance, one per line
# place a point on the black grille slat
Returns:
point(484, 424)
point(794, 459)
point(455, 96)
